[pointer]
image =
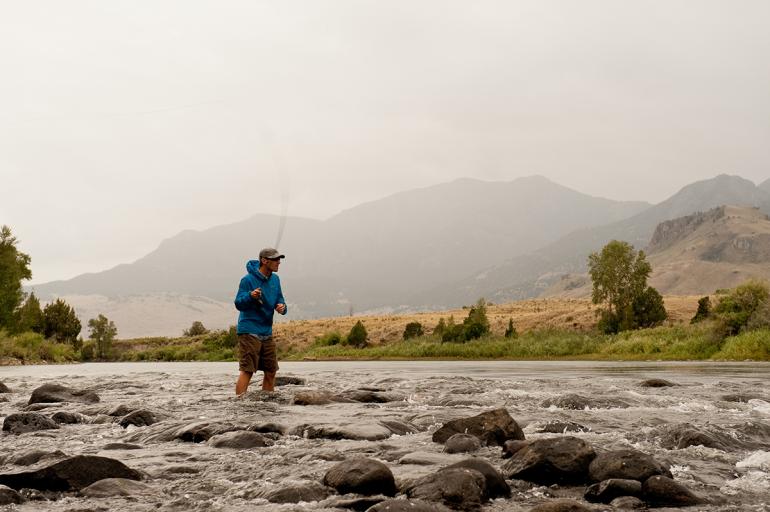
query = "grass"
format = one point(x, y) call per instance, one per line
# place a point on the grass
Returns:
point(33, 348)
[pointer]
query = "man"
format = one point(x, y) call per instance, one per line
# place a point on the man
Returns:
point(259, 295)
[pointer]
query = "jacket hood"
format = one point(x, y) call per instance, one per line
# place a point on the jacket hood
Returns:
point(252, 267)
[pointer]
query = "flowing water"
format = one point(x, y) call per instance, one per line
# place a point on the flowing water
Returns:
point(728, 402)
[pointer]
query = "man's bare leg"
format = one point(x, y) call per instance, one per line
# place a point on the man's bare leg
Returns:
point(243, 383)
point(268, 381)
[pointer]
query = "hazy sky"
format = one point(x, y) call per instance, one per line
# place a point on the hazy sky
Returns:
point(123, 123)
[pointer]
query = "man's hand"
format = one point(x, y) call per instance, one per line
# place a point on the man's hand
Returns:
point(256, 293)
point(280, 308)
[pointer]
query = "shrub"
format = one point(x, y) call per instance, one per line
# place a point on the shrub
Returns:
point(60, 322)
point(648, 308)
point(357, 336)
point(476, 324)
point(413, 330)
point(704, 310)
point(452, 332)
point(329, 339)
point(88, 351)
point(753, 345)
point(734, 310)
point(196, 329)
point(510, 331)
point(440, 328)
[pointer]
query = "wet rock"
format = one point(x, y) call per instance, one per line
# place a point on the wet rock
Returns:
point(310, 491)
point(399, 428)
point(628, 503)
point(608, 490)
point(558, 460)
point(175, 471)
point(497, 487)
point(661, 491)
point(35, 456)
point(119, 410)
point(39, 407)
point(742, 397)
point(23, 422)
point(358, 504)
point(71, 474)
point(462, 443)
point(121, 446)
point(626, 465)
point(240, 439)
point(458, 488)
point(9, 496)
point(426, 458)
point(313, 398)
point(57, 393)
point(370, 397)
point(562, 427)
point(513, 446)
point(4, 388)
point(561, 506)
point(579, 403)
point(492, 428)
point(402, 505)
point(202, 431)
point(34, 495)
point(138, 418)
point(267, 428)
point(755, 434)
point(656, 383)
point(355, 431)
point(361, 476)
point(109, 487)
point(676, 437)
point(69, 418)
point(289, 380)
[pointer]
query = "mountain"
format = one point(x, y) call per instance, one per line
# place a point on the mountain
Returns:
point(530, 275)
point(375, 255)
point(765, 185)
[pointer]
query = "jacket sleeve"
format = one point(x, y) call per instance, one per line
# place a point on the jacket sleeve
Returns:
point(243, 301)
point(281, 300)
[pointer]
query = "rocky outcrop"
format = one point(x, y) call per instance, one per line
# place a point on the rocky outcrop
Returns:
point(71, 474)
point(492, 428)
point(361, 476)
point(48, 393)
point(670, 232)
point(558, 460)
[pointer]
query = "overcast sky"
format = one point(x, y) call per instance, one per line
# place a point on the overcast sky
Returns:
point(123, 123)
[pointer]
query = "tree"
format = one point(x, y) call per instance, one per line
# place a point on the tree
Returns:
point(619, 275)
point(510, 331)
point(649, 310)
point(357, 336)
point(440, 328)
point(704, 310)
point(476, 324)
point(60, 322)
point(734, 310)
point(14, 268)
point(103, 331)
point(196, 329)
point(413, 330)
point(29, 317)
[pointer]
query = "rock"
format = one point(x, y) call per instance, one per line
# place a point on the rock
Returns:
point(355, 431)
point(579, 403)
point(69, 418)
point(23, 422)
point(561, 506)
point(458, 488)
point(492, 428)
point(558, 460)
point(742, 397)
point(626, 465)
point(4, 388)
point(513, 446)
point(289, 380)
point(661, 491)
point(682, 435)
point(310, 491)
point(398, 427)
point(361, 476)
point(119, 410)
point(109, 487)
point(370, 397)
point(562, 427)
point(71, 474)
point(608, 490)
point(121, 446)
point(628, 503)
point(57, 393)
point(138, 418)
point(267, 428)
point(656, 383)
point(203, 431)
point(497, 487)
point(240, 440)
point(462, 443)
point(313, 398)
point(426, 458)
point(358, 504)
point(35, 456)
point(9, 496)
point(401, 505)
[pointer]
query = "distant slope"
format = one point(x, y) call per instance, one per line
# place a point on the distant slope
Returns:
point(765, 185)
point(531, 274)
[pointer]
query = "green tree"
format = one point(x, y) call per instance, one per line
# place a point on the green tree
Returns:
point(734, 310)
point(60, 322)
point(196, 329)
point(649, 310)
point(29, 317)
point(440, 328)
point(357, 336)
point(103, 331)
point(510, 331)
point(476, 324)
point(413, 330)
point(452, 331)
point(704, 310)
point(619, 275)
point(14, 268)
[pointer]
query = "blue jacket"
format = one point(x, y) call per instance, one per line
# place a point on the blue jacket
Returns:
point(256, 318)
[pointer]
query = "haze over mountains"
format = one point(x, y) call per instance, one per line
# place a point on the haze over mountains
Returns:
point(438, 246)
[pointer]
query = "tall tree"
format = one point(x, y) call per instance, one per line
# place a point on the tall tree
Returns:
point(14, 268)
point(60, 322)
point(29, 317)
point(103, 331)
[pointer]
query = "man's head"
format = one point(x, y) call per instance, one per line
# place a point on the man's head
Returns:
point(270, 258)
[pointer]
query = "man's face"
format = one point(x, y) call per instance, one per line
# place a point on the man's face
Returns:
point(272, 263)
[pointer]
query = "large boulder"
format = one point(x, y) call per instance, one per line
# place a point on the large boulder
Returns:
point(401, 505)
point(239, 440)
point(109, 487)
point(23, 422)
point(361, 476)
point(627, 465)
point(661, 491)
point(459, 488)
point(558, 460)
point(71, 474)
point(310, 491)
point(497, 487)
point(492, 428)
point(608, 490)
point(48, 393)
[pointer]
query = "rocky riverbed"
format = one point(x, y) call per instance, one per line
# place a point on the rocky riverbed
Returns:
point(386, 436)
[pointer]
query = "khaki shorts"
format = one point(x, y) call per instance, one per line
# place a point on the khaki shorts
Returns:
point(257, 353)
